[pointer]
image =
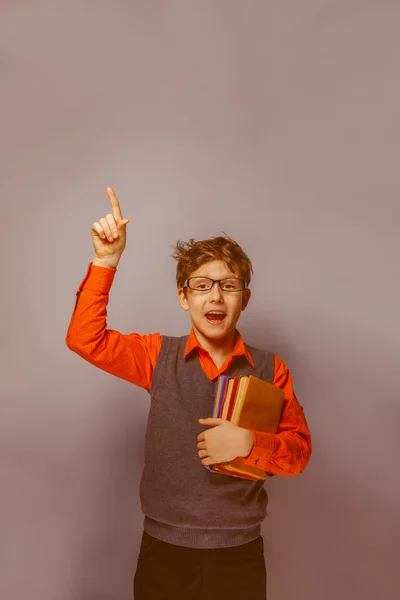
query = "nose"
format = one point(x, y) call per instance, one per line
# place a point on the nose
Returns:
point(216, 293)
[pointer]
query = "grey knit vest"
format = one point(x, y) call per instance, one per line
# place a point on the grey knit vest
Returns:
point(183, 502)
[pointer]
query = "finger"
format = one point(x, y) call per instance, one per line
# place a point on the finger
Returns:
point(107, 230)
point(99, 230)
point(211, 422)
point(201, 437)
point(203, 454)
point(113, 225)
point(207, 462)
point(116, 209)
point(201, 446)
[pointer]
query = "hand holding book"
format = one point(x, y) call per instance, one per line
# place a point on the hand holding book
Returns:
point(241, 403)
point(224, 442)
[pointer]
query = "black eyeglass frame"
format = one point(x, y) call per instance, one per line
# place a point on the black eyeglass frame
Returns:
point(214, 281)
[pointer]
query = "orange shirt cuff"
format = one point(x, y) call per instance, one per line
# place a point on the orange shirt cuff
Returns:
point(263, 448)
point(97, 279)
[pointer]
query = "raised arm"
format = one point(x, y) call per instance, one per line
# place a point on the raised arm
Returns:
point(129, 356)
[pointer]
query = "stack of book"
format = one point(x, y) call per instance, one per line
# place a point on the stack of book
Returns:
point(251, 403)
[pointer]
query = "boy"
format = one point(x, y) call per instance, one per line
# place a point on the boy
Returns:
point(201, 537)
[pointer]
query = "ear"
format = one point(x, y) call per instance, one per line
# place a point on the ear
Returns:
point(246, 298)
point(182, 298)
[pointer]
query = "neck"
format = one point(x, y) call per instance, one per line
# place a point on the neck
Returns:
point(220, 348)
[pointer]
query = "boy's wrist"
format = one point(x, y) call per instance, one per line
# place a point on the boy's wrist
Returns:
point(248, 443)
point(106, 263)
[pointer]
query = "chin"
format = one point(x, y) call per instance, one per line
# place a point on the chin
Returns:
point(216, 333)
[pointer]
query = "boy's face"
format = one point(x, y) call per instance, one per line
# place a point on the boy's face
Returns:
point(199, 303)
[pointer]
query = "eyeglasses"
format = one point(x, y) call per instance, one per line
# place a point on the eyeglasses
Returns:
point(205, 284)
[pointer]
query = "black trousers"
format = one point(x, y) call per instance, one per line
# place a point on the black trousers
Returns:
point(165, 572)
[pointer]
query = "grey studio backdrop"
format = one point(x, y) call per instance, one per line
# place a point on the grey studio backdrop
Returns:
point(276, 122)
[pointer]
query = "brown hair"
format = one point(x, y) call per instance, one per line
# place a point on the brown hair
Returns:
point(191, 255)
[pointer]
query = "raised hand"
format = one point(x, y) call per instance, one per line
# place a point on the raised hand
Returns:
point(109, 234)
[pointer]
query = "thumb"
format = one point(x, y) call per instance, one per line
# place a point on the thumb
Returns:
point(122, 223)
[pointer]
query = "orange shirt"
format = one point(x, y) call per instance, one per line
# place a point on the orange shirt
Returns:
point(133, 357)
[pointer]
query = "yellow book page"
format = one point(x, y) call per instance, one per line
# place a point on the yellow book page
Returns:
point(227, 398)
point(239, 399)
point(238, 466)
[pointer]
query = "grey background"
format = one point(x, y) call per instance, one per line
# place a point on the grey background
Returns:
point(277, 122)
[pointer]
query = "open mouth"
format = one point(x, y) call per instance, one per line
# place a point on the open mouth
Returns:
point(215, 318)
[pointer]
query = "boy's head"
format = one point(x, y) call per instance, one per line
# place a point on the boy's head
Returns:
point(199, 263)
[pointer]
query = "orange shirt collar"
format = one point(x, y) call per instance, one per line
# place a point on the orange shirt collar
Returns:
point(239, 349)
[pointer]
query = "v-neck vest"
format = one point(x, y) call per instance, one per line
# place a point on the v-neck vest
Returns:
point(183, 502)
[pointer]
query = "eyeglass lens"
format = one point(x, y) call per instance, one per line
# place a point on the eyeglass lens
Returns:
point(204, 284)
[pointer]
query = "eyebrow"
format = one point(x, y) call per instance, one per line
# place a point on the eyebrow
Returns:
point(225, 276)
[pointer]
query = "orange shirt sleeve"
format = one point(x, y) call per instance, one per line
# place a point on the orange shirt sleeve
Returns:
point(130, 356)
point(288, 451)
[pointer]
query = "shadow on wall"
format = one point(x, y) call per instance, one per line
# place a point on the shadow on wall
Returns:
point(343, 512)
point(339, 527)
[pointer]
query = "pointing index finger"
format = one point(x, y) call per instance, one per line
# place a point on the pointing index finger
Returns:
point(116, 209)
